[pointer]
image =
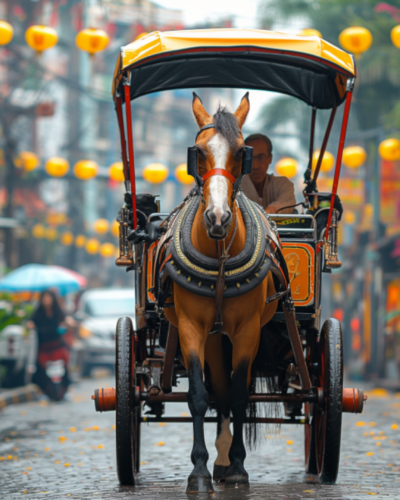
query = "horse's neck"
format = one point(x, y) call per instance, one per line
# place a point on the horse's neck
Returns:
point(206, 246)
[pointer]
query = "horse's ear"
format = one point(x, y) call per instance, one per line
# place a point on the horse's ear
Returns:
point(200, 114)
point(243, 110)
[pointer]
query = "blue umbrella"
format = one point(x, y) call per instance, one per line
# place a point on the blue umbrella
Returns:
point(38, 277)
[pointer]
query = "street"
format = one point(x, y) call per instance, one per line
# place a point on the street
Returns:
point(67, 450)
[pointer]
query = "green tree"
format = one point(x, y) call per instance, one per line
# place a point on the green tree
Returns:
point(377, 99)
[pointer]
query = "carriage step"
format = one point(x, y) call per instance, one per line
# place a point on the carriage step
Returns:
point(214, 420)
point(353, 399)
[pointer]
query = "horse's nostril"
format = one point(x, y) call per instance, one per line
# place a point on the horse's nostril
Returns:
point(211, 218)
point(225, 218)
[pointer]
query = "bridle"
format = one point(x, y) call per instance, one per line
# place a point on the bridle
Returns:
point(247, 160)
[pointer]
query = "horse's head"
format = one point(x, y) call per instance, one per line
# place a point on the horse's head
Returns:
point(219, 147)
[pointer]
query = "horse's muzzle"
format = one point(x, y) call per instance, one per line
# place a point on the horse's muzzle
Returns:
point(217, 231)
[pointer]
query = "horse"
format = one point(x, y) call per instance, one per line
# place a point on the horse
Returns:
point(219, 223)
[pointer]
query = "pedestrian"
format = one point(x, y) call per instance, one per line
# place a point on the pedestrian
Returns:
point(51, 323)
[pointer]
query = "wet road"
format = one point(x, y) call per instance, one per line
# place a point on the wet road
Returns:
point(67, 450)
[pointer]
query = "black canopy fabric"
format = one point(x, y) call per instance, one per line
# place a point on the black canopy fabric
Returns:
point(314, 80)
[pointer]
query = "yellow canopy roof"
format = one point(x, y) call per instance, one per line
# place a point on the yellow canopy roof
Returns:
point(305, 67)
point(159, 42)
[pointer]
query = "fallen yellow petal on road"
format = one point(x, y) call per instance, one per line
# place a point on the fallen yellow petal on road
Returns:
point(66, 465)
point(308, 491)
point(47, 449)
point(360, 424)
point(184, 414)
point(113, 427)
point(62, 439)
point(289, 441)
point(57, 462)
point(29, 468)
point(144, 463)
point(394, 426)
point(161, 443)
point(100, 446)
point(372, 424)
point(79, 463)
point(9, 457)
point(2, 458)
point(378, 444)
point(369, 453)
point(95, 427)
point(72, 429)
point(161, 424)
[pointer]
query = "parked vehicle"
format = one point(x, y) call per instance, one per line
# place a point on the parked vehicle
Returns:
point(18, 346)
point(98, 311)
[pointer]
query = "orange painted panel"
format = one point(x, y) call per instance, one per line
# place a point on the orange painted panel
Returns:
point(300, 260)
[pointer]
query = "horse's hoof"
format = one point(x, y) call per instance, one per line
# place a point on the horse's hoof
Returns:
point(199, 484)
point(220, 471)
point(236, 480)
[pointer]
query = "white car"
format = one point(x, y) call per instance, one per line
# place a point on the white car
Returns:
point(98, 312)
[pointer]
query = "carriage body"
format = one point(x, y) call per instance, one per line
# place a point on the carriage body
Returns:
point(149, 361)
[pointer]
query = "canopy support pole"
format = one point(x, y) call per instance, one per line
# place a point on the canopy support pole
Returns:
point(127, 95)
point(312, 132)
point(323, 147)
point(340, 151)
point(118, 108)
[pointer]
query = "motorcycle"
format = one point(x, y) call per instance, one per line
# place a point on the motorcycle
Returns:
point(52, 373)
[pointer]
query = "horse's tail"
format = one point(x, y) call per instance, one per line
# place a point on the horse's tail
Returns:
point(267, 376)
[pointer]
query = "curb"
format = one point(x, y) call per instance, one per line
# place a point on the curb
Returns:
point(19, 395)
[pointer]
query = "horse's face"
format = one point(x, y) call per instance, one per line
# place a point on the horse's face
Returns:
point(219, 148)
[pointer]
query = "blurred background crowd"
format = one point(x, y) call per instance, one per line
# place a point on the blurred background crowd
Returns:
point(61, 177)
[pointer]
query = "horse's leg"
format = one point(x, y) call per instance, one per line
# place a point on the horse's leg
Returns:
point(245, 345)
point(220, 385)
point(192, 344)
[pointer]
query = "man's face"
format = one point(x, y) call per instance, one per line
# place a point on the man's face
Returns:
point(261, 160)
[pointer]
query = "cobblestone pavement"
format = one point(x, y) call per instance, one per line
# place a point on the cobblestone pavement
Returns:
point(67, 451)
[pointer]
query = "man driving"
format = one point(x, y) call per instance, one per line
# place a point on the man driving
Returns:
point(273, 193)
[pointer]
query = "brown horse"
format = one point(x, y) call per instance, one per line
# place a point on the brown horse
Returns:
point(218, 219)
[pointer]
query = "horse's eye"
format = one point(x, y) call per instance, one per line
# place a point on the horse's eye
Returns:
point(238, 155)
point(202, 154)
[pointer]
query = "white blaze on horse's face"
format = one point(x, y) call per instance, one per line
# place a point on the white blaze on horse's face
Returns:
point(218, 214)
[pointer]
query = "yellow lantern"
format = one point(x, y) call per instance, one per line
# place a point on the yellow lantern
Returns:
point(67, 239)
point(85, 169)
point(27, 160)
point(182, 175)
point(51, 233)
point(80, 241)
point(92, 40)
point(354, 156)
point(41, 38)
point(310, 32)
point(140, 36)
point(107, 250)
point(390, 149)
point(6, 33)
point(115, 229)
point(286, 167)
point(38, 231)
point(349, 217)
point(395, 36)
point(116, 172)
point(92, 246)
point(56, 167)
point(327, 161)
point(155, 173)
point(101, 226)
point(355, 39)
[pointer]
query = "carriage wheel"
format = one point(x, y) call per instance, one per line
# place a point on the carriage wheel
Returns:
point(127, 428)
point(327, 419)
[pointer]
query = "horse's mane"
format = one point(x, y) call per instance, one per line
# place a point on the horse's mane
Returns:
point(226, 124)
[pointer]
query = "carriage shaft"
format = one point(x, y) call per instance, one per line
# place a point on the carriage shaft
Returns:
point(214, 420)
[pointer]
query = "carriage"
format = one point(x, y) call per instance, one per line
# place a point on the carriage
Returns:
point(304, 245)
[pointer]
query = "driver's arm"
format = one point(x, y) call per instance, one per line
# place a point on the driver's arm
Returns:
point(284, 196)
